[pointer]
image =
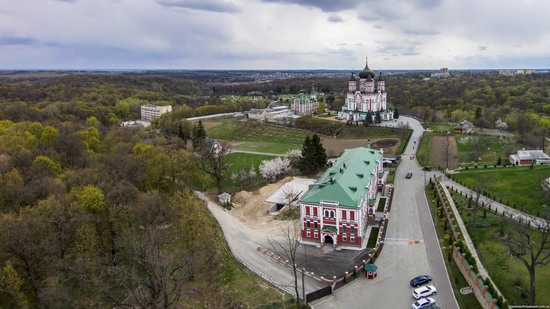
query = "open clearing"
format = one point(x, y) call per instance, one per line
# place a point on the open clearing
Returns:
point(443, 155)
point(251, 208)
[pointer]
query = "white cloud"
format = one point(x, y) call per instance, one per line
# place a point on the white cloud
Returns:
point(271, 34)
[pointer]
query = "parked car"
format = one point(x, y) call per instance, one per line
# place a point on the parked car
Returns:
point(409, 175)
point(420, 280)
point(427, 168)
point(424, 291)
point(424, 303)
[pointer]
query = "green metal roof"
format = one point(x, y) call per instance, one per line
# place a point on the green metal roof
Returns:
point(303, 97)
point(370, 267)
point(345, 182)
point(330, 228)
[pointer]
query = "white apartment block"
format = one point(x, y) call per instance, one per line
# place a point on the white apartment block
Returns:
point(150, 112)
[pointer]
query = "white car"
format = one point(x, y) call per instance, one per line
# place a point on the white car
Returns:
point(424, 303)
point(424, 291)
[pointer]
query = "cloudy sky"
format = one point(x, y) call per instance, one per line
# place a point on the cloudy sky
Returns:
point(274, 34)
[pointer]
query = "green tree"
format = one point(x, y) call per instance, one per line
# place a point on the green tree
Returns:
point(378, 117)
point(90, 198)
point(320, 151)
point(314, 156)
point(12, 284)
point(395, 113)
point(199, 136)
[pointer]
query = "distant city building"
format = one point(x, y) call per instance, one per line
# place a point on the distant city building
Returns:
point(443, 73)
point(150, 112)
point(304, 104)
point(369, 99)
point(528, 157)
point(516, 72)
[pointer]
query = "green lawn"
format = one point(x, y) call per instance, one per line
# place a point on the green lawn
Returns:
point(362, 132)
point(254, 136)
point(514, 185)
point(239, 161)
point(488, 150)
point(425, 149)
point(507, 272)
point(441, 127)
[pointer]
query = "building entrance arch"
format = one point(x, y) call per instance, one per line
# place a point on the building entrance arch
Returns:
point(328, 239)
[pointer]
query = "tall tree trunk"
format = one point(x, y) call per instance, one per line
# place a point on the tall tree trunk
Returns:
point(296, 286)
point(532, 284)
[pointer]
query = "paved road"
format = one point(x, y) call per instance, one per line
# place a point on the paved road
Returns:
point(255, 152)
point(243, 242)
point(411, 247)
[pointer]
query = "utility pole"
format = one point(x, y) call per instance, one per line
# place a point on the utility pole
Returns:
point(303, 286)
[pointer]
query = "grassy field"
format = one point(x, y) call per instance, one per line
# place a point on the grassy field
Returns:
point(362, 132)
point(489, 150)
point(239, 161)
point(253, 136)
point(457, 279)
point(509, 274)
point(440, 127)
point(425, 149)
point(514, 185)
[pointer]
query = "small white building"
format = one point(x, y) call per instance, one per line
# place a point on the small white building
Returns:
point(150, 111)
point(272, 113)
point(528, 157)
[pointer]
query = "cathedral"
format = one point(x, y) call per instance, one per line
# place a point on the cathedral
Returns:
point(369, 100)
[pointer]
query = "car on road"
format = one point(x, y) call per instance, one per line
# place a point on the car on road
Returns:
point(421, 280)
point(424, 291)
point(424, 303)
point(409, 175)
point(427, 168)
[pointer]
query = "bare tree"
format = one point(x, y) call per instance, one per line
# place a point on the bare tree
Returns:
point(531, 249)
point(290, 194)
point(154, 278)
point(478, 190)
point(287, 247)
point(215, 161)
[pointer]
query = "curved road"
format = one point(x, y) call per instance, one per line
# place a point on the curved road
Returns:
point(411, 247)
point(243, 243)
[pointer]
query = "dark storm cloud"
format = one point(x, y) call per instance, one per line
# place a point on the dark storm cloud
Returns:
point(324, 5)
point(16, 40)
point(202, 5)
point(333, 18)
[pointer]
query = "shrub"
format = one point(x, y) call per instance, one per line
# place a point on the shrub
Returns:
point(485, 166)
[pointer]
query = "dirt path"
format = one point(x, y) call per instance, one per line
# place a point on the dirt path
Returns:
point(438, 156)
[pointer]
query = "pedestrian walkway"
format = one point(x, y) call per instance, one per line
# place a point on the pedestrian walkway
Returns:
point(467, 240)
point(500, 208)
